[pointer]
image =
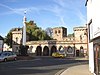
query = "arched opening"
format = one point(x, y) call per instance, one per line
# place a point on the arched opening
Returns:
point(81, 47)
point(61, 48)
point(30, 49)
point(38, 51)
point(81, 51)
point(45, 51)
point(53, 49)
point(70, 51)
point(77, 53)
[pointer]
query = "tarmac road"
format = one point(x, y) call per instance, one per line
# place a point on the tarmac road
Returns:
point(38, 66)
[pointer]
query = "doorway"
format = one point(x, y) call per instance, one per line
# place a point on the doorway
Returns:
point(97, 59)
point(77, 53)
point(46, 51)
point(53, 49)
point(38, 51)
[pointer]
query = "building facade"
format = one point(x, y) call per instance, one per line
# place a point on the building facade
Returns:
point(73, 46)
point(59, 33)
point(1, 43)
point(16, 39)
point(93, 23)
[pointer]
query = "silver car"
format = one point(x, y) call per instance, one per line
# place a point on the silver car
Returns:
point(7, 55)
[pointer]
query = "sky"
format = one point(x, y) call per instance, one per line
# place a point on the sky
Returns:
point(45, 13)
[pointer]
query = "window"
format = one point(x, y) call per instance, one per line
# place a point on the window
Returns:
point(16, 39)
point(58, 31)
point(55, 32)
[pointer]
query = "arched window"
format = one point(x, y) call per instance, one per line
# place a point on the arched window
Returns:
point(70, 50)
point(81, 47)
point(61, 48)
point(16, 39)
point(55, 32)
point(80, 37)
point(30, 49)
point(58, 31)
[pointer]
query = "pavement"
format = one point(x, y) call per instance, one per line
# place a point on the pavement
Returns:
point(77, 70)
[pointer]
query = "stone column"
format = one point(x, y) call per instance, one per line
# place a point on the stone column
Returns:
point(24, 30)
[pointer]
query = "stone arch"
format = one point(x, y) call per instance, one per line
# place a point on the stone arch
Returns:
point(30, 49)
point(46, 51)
point(38, 51)
point(81, 51)
point(77, 53)
point(69, 50)
point(61, 48)
point(81, 47)
point(53, 49)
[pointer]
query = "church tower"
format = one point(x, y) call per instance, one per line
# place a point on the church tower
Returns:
point(16, 39)
point(59, 33)
point(80, 34)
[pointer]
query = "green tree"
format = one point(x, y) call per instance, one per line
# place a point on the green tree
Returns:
point(8, 39)
point(49, 31)
point(71, 35)
point(36, 33)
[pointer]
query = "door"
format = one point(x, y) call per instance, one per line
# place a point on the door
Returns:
point(98, 48)
point(77, 53)
point(97, 60)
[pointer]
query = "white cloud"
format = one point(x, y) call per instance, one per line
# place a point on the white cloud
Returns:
point(81, 17)
point(62, 21)
point(59, 9)
point(74, 8)
point(11, 10)
point(60, 2)
point(6, 6)
point(19, 11)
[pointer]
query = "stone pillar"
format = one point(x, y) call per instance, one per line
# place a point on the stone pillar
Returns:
point(24, 30)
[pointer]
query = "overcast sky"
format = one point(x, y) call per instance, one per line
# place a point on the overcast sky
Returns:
point(45, 13)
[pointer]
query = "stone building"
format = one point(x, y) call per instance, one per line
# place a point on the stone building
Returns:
point(93, 25)
point(59, 33)
point(16, 39)
point(73, 46)
point(1, 43)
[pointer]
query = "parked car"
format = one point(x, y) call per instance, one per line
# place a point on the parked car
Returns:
point(7, 55)
point(59, 54)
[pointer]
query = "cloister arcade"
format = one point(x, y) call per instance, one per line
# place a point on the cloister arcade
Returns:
point(46, 48)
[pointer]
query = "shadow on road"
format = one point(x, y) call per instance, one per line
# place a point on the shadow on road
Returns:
point(38, 66)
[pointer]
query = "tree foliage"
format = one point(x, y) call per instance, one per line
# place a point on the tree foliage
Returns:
point(34, 33)
point(71, 35)
point(49, 31)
